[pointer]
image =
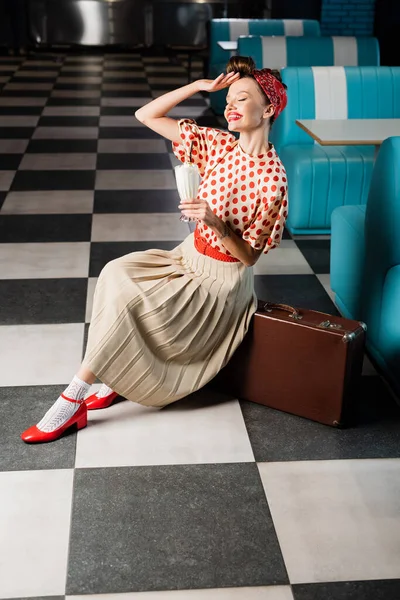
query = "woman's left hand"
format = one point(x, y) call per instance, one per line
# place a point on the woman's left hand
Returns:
point(200, 210)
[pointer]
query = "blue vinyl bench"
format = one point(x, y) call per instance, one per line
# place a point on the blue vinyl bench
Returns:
point(365, 262)
point(280, 52)
point(321, 178)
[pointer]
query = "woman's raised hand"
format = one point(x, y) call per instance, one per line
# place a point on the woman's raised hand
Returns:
point(221, 82)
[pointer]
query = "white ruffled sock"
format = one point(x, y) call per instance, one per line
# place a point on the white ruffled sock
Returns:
point(104, 391)
point(62, 409)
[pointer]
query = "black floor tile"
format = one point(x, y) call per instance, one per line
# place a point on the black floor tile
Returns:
point(45, 228)
point(29, 80)
point(10, 162)
point(125, 133)
point(102, 252)
point(2, 198)
point(16, 133)
point(140, 201)
point(21, 110)
point(387, 589)
point(68, 122)
point(61, 146)
point(26, 93)
point(300, 291)
point(212, 522)
point(38, 301)
point(123, 79)
point(27, 405)
point(278, 436)
point(53, 180)
point(77, 86)
point(133, 161)
point(126, 69)
point(317, 253)
point(54, 101)
point(117, 111)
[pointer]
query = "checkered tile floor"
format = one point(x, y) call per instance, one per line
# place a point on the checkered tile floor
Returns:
point(211, 498)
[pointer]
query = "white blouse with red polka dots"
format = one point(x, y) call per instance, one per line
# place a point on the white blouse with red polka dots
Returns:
point(248, 192)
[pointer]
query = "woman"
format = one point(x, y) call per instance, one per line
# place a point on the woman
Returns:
point(164, 323)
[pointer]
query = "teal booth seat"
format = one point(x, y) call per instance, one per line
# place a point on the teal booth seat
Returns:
point(321, 178)
point(225, 30)
point(365, 262)
point(279, 52)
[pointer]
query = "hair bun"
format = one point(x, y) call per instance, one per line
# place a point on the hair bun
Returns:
point(244, 65)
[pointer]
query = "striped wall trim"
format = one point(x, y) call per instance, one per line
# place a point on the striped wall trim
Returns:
point(330, 89)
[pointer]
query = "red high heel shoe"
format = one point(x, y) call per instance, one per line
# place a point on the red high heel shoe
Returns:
point(93, 402)
point(33, 435)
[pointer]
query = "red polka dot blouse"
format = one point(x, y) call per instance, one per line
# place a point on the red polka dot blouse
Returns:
point(249, 192)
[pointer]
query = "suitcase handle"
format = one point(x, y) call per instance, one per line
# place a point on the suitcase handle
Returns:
point(268, 306)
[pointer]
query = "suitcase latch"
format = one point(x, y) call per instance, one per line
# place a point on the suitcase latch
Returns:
point(329, 325)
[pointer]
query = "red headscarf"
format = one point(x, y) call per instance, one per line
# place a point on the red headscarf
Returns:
point(273, 88)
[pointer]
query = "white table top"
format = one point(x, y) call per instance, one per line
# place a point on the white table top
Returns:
point(350, 132)
point(228, 45)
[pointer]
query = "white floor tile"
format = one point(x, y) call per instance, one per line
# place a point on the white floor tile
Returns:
point(134, 146)
point(198, 430)
point(282, 592)
point(6, 178)
point(138, 227)
point(22, 101)
point(135, 180)
point(65, 133)
point(4, 79)
point(13, 146)
point(82, 67)
point(48, 203)
point(44, 260)
point(60, 162)
point(71, 111)
point(336, 520)
point(7, 67)
point(174, 161)
point(120, 121)
point(19, 121)
point(284, 260)
point(35, 522)
point(33, 74)
point(192, 112)
point(133, 102)
point(40, 354)
point(325, 279)
point(41, 87)
point(92, 281)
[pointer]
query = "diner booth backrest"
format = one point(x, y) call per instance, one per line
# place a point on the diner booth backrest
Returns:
point(321, 178)
point(335, 93)
point(225, 30)
point(279, 52)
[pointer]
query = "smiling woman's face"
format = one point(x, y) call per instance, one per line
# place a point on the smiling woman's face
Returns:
point(246, 108)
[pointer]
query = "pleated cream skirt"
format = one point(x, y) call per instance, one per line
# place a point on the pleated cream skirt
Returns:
point(164, 323)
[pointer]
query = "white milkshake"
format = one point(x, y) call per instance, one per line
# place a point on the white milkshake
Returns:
point(187, 181)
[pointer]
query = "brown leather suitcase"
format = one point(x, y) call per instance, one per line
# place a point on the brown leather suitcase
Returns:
point(302, 362)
